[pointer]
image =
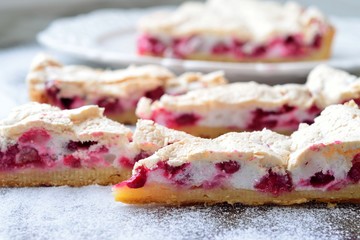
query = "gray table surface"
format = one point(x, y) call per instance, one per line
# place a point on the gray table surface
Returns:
point(91, 213)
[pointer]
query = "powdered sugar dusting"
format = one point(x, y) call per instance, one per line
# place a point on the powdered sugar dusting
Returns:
point(91, 213)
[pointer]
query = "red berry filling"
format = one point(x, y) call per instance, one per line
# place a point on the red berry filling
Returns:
point(28, 155)
point(275, 183)
point(228, 167)
point(317, 42)
point(283, 117)
point(126, 162)
point(321, 179)
point(7, 161)
point(147, 44)
point(177, 174)
point(77, 145)
point(114, 105)
point(91, 158)
point(293, 46)
point(52, 91)
point(259, 51)
point(66, 103)
point(354, 172)
point(37, 136)
point(111, 105)
point(289, 46)
point(236, 48)
point(262, 119)
point(72, 161)
point(217, 181)
point(314, 110)
point(181, 47)
point(174, 120)
point(138, 180)
point(220, 48)
point(186, 119)
point(32, 151)
point(141, 155)
point(53, 94)
point(155, 94)
point(20, 156)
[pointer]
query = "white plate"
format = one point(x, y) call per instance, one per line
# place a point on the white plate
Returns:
point(108, 36)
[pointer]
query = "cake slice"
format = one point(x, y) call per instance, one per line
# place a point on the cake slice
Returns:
point(237, 167)
point(333, 86)
point(41, 145)
point(325, 157)
point(233, 107)
point(117, 91)
point(251, 106)
point(319, 162)
point(237, 31)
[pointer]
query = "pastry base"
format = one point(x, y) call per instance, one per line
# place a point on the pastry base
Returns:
point(127, 117)
point(60, 177)
point(213, 132)
point(317, 55)
point(163, 194)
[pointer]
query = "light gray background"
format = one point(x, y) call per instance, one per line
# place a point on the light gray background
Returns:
point(20, 20)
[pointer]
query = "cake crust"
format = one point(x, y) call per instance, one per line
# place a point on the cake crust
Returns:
point(156, 193)
point(68, 177)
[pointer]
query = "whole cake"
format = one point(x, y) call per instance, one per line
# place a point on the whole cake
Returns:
point(239, 31)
